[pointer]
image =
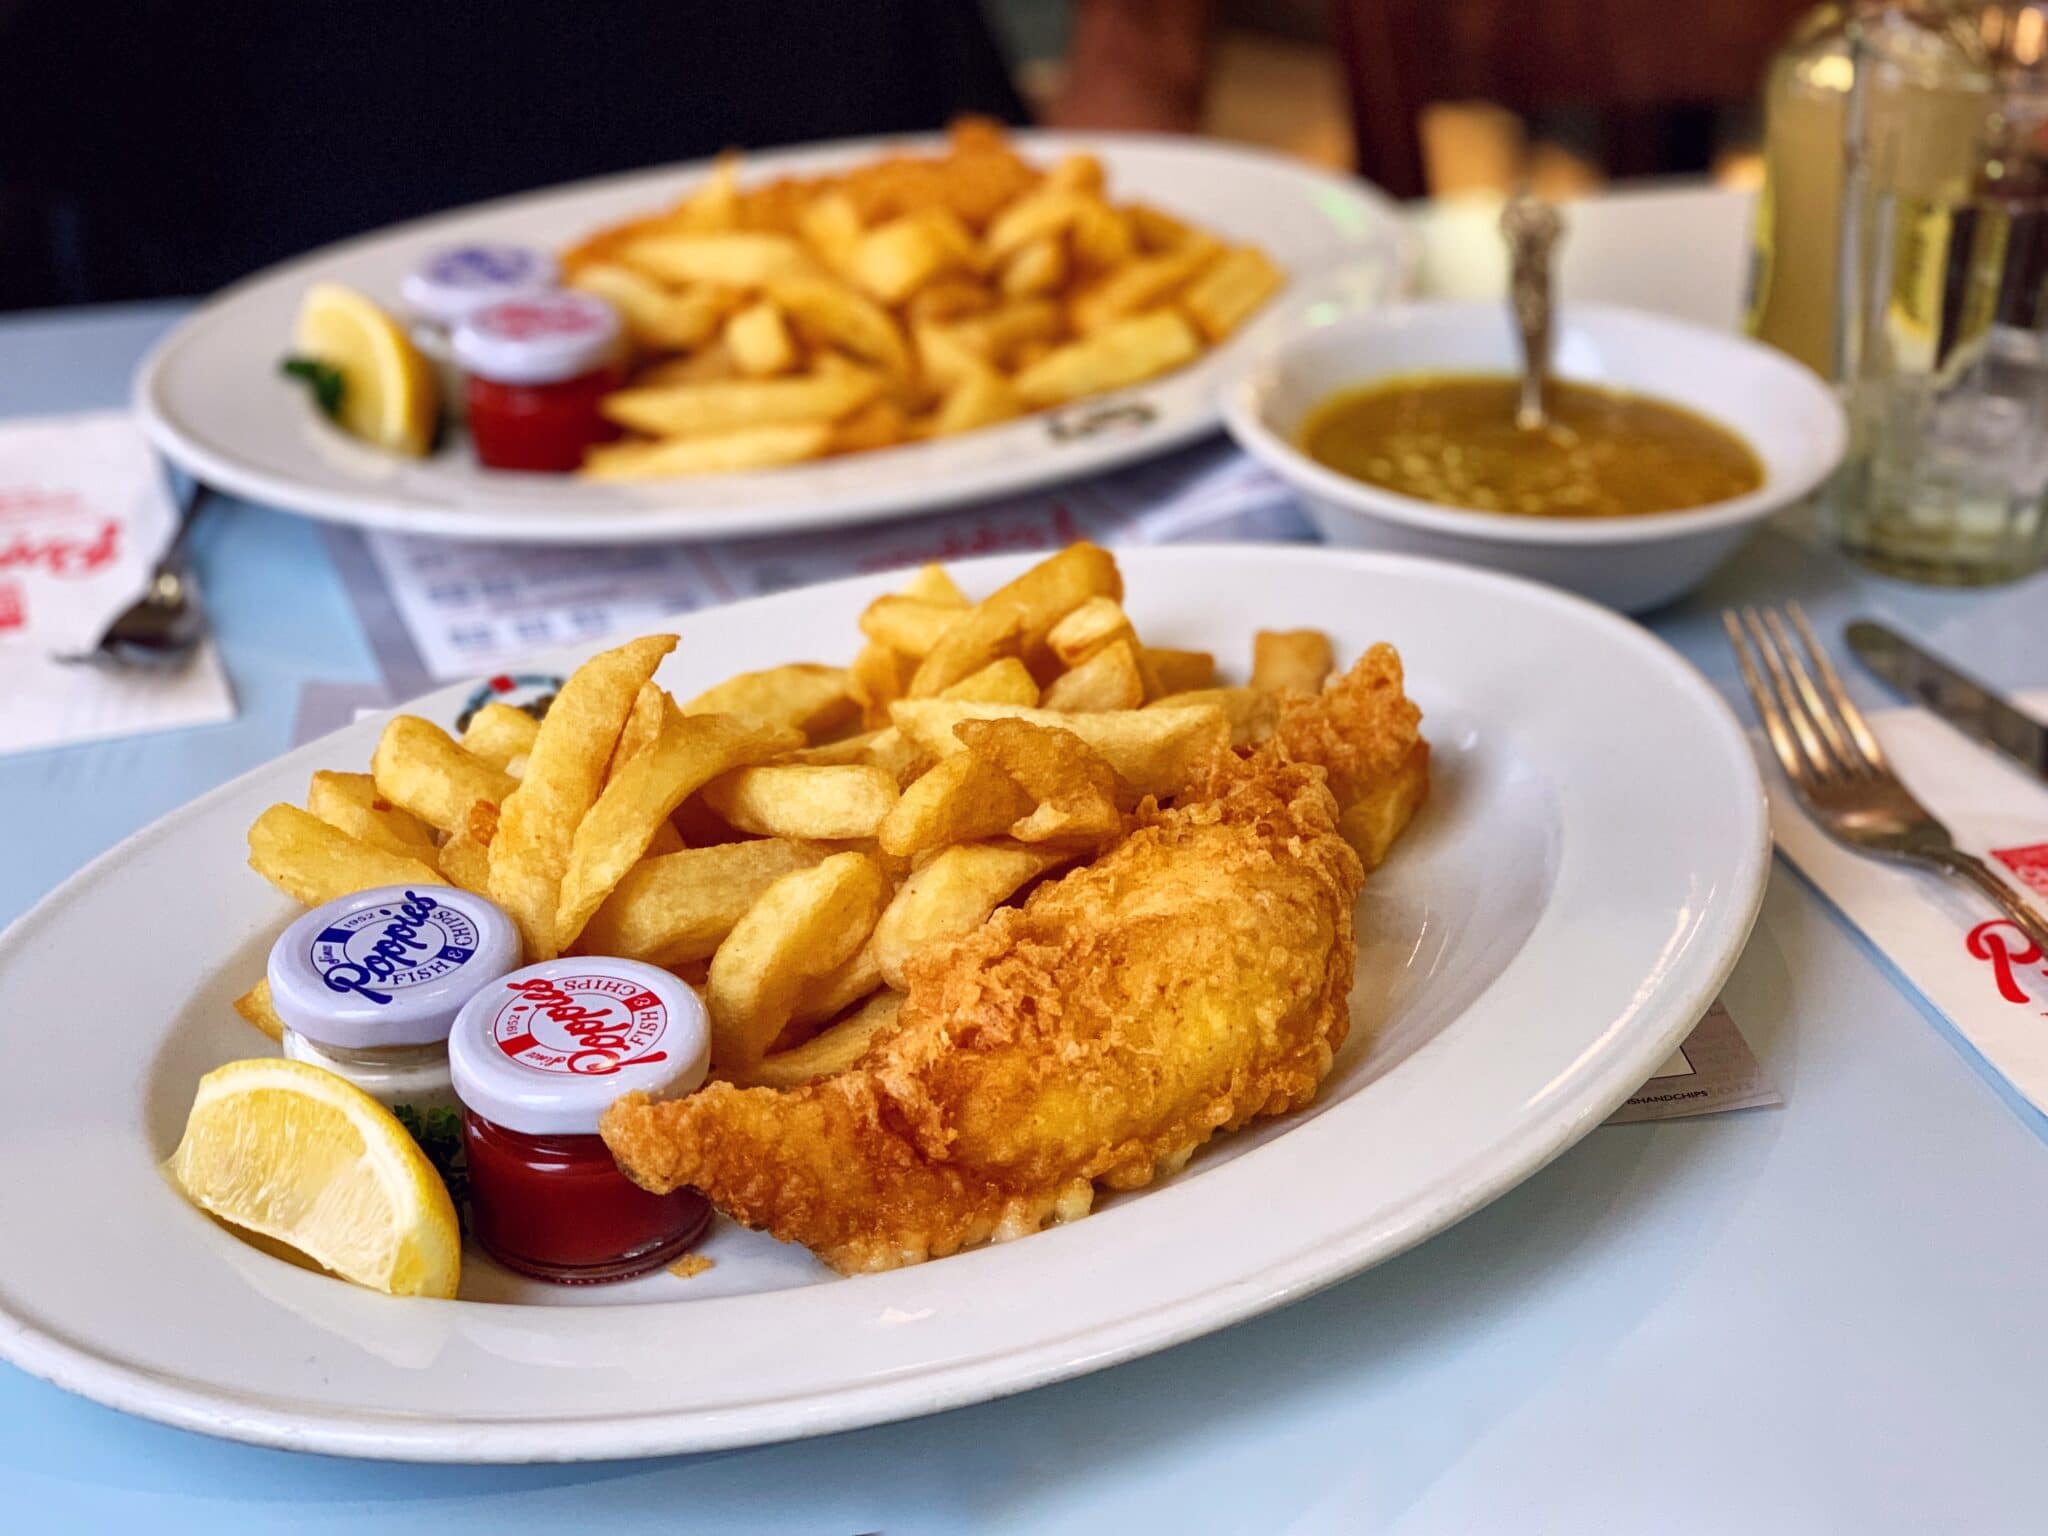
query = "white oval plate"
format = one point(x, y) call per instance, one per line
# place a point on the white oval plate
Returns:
point(210, 396)
point(1584, 875)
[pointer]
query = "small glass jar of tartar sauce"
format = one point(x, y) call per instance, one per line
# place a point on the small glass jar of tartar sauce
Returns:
point(453, 284)
point(370, 985)
point(537, 369)
point(537, 1057)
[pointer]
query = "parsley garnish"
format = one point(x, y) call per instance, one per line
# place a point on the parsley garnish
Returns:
point(439, 1133)
point(323, 379)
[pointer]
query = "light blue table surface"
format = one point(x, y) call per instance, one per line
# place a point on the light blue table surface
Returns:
point(1825, 1317)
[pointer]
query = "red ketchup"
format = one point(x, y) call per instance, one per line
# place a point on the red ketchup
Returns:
point(536, 1058)
point(537, 368)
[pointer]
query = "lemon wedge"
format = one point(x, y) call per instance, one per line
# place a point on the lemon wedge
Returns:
point(388, 393)
point(300, 1155)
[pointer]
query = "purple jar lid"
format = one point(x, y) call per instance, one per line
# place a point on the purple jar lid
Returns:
point(390, 966)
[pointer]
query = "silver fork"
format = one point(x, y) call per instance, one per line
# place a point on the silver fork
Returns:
point(162, 628)
point(1836, 766)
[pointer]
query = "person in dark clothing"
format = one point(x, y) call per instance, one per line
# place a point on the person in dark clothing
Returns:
point(151, 148)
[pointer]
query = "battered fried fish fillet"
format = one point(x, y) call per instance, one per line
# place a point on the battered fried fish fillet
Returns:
point(1194, 978)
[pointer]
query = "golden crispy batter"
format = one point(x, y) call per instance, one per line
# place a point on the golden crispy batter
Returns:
point(1192, 979)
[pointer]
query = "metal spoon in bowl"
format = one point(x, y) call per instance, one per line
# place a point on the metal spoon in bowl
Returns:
point(1531, 228)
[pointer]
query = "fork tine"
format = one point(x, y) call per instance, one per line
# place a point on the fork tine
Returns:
point(1788, 696)
point(1852, 717)
point(1816, 706)
point(1775, 728)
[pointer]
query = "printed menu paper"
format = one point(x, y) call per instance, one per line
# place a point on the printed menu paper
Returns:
point(1978, 968)
point(84, 515)
point(475, 608)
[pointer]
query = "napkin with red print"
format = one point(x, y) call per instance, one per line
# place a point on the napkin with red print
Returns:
point(1985, 975)
point(84, 514)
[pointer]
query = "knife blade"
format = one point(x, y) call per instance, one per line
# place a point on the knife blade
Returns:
point(1957, 698)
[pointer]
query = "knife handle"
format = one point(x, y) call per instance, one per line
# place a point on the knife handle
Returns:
point(2017, 907)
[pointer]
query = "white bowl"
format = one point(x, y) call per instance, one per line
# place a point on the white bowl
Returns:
point(1782, 410)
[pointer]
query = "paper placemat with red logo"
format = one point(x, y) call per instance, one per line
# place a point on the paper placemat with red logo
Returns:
point(1985, 976)
point(83, 516)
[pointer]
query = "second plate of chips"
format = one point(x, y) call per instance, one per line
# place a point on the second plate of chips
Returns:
point(211, 397)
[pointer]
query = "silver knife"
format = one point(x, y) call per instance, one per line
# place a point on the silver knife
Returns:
point(1961, 700)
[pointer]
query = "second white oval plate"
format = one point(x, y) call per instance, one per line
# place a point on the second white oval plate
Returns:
point(1544, 935)
point(210, 396)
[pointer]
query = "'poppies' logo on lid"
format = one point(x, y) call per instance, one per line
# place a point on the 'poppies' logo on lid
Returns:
point(587, 1026)
point(484, 266)
point(544, 315)
point(377, 952)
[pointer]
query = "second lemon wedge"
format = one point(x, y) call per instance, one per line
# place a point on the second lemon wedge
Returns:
point(303, 1156)
point(388, 393)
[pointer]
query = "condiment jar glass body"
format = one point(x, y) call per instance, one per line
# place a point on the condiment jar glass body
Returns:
point(537, 1059)
point(537, 370)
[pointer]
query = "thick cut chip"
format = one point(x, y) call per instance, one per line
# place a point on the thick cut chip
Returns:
point(961, 800)
point(1180, 671)
point(931, 584)
point(678, 907)
point(466, 862)
point(718, 454)
point(828, 995)
point(352, 802)
point(758, 340)
point(418, 766)
point(1299, 660)
point(733, 260)
point(643, 725)
point(845, 318)
point(893, 260)
point(256, 1008)
point(980, 397)
point(908, 624)
point(1079, 797)
point(500, 735)
point(1231, 291)
point(1379, 815)
point(832, 1050)
point(815, 699)
point(313, 863)
point(832, 225)
point(1122, 353)
point(537, 822)
point(1140, 285)
point(1007, 681)
point(1034, 268)
point(1018, 615)
point(1110, 679)
point(636, 803)
point(806, 800)
point(1158, 750)
point(952, 895)
point(805, 924)
point(878, 677)
point(881, 423)
point(658, 318)
point(887, 749)
point(1252, 712)
point(995, 336)
point(703, 410)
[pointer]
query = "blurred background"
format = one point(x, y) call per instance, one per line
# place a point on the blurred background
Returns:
point(152, 148)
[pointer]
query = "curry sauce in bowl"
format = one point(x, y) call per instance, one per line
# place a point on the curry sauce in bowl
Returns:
point(1670, 442)
point(1452, 439)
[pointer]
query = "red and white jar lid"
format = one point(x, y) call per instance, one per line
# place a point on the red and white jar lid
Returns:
point(546, 1049)
point(538, 339)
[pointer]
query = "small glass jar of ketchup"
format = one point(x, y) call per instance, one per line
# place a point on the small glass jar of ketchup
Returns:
point(537, 1056)
point(537, 367)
